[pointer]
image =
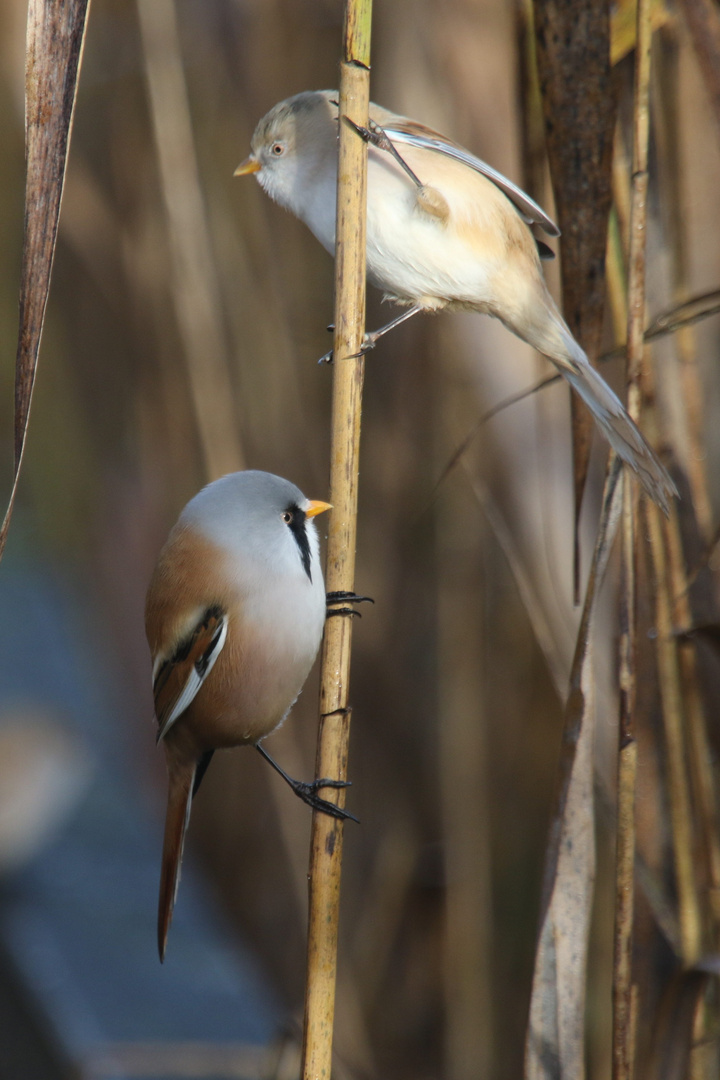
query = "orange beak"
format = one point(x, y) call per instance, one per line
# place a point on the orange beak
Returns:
point(249, 165)
point(317, 507)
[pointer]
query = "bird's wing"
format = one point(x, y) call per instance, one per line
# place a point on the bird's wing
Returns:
point(401, 130)
point(179, 677)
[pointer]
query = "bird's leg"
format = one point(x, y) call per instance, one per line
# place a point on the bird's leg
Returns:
point(430, 200)
point(370, 340)
point(376, 136)
point(308, 792)
point(342, 597)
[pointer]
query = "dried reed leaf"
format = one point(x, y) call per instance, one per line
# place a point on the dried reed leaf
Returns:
point(55, 33)
point(573, 53)
point(555, 1038)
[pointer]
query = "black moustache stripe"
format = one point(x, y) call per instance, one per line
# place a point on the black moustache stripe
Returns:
point(298, 527)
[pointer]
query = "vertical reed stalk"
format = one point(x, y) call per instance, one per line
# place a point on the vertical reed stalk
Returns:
point(349, 370)
point(623, 1049)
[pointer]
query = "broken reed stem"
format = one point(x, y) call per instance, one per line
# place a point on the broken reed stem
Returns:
point(623, 1048)
point(348, 374)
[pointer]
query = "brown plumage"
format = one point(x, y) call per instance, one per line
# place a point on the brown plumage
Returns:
point(234, 617)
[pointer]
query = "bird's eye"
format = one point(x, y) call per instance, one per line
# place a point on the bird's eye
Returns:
point(277, 149)
point(287, 516)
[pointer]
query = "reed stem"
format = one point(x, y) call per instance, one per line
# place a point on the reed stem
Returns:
point(349, 370)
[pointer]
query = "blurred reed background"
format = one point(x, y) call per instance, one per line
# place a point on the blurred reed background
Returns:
point(185, 318)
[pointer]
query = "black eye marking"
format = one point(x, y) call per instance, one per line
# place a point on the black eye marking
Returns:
point(295, 520)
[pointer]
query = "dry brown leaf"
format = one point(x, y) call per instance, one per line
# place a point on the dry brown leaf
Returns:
point(55, 33)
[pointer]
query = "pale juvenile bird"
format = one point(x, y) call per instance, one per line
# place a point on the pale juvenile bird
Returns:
point(444, 230)
point(234, 616)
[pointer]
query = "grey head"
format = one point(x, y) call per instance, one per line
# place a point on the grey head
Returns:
point(294, 147)
point(260, 519)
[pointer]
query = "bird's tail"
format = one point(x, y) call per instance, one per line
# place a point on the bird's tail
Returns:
point(181, 780)
point(556, 342)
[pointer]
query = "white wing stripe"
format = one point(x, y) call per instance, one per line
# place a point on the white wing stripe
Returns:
point(195, 680)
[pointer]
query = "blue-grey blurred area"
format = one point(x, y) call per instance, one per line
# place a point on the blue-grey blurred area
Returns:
point(79, 864)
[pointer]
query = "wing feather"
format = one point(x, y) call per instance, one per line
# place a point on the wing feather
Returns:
point(409, 131)
point(179, 678)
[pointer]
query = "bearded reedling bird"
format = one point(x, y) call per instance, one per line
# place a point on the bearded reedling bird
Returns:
point(234, 616)
point(444, 230)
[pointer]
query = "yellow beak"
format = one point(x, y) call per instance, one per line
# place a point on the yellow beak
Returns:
point(316, 507)
point(249, 165)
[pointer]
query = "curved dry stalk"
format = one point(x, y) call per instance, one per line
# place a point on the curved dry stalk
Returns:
point(349, 370)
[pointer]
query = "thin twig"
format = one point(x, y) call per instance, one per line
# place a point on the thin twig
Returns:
point(349, 369)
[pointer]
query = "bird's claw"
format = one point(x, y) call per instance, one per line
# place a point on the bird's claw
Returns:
point(308, 792)
point(369, 342)
point(342, 597)
point(372, 134)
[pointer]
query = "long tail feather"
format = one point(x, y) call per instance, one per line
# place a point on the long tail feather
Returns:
point(180, 790)
point(554, 339)
point(622, 434)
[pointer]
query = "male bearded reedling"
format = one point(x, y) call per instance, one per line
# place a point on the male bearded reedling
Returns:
point(444, 230)
point(234, 616)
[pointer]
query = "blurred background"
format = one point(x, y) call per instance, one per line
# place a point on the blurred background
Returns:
point(185, 320)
